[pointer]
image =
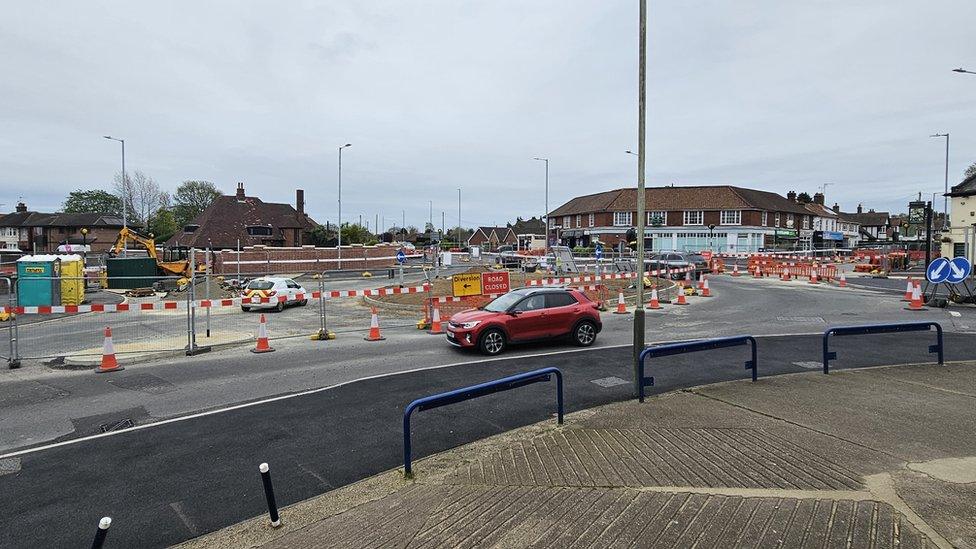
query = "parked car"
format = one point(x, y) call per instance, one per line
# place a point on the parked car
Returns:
point(526, 314)
point(273, 287)
point(677, 260)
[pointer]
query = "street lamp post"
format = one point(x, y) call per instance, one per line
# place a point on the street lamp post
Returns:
point(546, 160)
point(459, 220)
point(340, 204)
point(641, 157)
point(963, 71)
point(125, 190)
point(945, 203)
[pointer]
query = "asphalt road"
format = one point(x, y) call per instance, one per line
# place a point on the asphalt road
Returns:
point(172, 481)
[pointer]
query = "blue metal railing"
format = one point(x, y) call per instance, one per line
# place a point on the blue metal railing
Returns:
point(691, 347)
point(475, 391)
point(829, 355)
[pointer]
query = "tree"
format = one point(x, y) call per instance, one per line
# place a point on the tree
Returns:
point(191, 198)
point(323, 236)
point(354, 234)
point(803, 198)
point(970, 171)
point(92, 201)
point(142, 195)
point(163, 225)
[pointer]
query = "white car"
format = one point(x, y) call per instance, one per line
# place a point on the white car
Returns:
point(272, 288)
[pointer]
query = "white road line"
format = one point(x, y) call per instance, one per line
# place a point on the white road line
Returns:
point(335, 386)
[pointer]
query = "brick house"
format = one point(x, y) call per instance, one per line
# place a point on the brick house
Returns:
point(490, 238)
point(27, 231)
point(721, 217)
point(249, 221)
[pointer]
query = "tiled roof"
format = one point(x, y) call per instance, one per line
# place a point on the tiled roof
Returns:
point(227, 220)
point(38, 219)
point(869, 219)
point(529, 226)
point(820, 210)
point(708, 197)
point(966, 188)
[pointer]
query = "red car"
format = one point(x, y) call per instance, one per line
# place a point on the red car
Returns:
point(527, 314)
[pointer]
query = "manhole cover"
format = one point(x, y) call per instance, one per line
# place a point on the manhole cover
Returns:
point(9, 465)
point(611, 381)
point(809, 365)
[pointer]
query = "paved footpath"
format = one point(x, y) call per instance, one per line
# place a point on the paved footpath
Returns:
point(879, 457)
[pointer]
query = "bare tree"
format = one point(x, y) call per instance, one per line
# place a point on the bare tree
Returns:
point(142, 195)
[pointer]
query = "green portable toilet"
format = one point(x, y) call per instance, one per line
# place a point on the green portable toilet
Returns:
point(39, 280)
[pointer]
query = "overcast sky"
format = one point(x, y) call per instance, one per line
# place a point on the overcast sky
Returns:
point(436, 95)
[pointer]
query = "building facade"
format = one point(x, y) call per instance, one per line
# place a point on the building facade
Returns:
point(961, 239)
point(721, 218)
point(37, 232)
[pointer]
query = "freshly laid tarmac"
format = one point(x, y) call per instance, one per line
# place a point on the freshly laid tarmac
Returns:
point(875, 457)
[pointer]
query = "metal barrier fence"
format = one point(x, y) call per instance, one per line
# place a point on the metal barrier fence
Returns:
point(692, 347)
point(829, 355)
point(475, 391)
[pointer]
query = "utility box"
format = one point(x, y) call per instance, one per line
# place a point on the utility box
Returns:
point(72, 279)
point(39, 280)
point(125, 273)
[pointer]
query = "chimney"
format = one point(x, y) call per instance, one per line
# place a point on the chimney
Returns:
point(240, 191)
point(21, 207)
point(300, 201)
point(818, 198)
point(836, 207)
point(791, 196)
point(860, 209)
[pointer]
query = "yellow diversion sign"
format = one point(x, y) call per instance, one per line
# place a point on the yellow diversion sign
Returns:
point(466, 284)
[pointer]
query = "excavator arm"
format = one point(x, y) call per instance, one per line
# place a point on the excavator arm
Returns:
point(178, 268)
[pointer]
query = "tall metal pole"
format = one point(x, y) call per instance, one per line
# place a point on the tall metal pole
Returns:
point(546, 213)
point(125, 194)
point(459, 219)
point(641, 156)
point(340, 204)
point(945, 205)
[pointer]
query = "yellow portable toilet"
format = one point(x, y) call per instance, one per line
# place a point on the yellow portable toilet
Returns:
point(72, 279)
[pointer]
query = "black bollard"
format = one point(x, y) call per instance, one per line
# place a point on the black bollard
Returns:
point(269, 495)
point(101, 532)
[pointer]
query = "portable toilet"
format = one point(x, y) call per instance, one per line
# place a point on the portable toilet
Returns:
point(72, 279)
point(39, 280)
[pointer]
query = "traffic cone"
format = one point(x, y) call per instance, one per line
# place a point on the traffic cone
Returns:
point(654, 303)
point(813, 275)
point(735, 269)
point(262, 346)
point(843, 280)
point(681, 299)
point(374, 328)
point(701, 282)
point(909, 290)
point(109, 364)
point(688, 279)
point(621, 306)
point(786, 274)
point(705, 291)
point(435, 323)
point(916, 303)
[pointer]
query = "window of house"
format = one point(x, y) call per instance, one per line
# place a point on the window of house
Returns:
point(806, 222)
point(621, 219)
point(579, 221)
point(592, 220)
point(789, 220)
point(259, 230)
point(765, 218)
point(694, 217)
point(567, 222)
point(776, 220)
point(731, 217)
point(657, 218)
point(190, 228)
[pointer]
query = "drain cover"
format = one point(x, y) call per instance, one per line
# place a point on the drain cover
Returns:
point(117, 425)
point(611, 381)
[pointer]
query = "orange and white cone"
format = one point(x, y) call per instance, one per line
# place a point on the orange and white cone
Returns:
point(621, 306)
point(701, 282)
point(655, 303)
point(435, 323)
point(786, 274)
point(374, 328)
point(705, 291)
point(681, 299)
point(909, 290)
point(813, 276)
point(109, 364)
point(916, 303)
point(843, 280)
point(263, 346)
point(735, 269)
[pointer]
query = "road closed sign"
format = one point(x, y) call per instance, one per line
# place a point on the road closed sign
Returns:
point(466, 284)
point(495, 282)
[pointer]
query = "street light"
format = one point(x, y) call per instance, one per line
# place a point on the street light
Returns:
point(340, 203)
point(125, 185)
point(963, 71)
point(546, 160)
point(641, 158)
point(945, 205)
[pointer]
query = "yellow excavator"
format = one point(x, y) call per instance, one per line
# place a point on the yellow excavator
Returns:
point(179, 268)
